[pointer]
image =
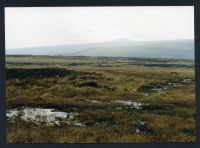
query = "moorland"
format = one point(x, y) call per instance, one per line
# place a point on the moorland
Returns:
point(82, 99)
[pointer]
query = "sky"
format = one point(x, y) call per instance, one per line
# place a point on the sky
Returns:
point(46, 26)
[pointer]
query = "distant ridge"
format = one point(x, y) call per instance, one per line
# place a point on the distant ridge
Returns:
point(174, 49)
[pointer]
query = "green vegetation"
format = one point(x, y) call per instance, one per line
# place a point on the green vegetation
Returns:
point(158, 95)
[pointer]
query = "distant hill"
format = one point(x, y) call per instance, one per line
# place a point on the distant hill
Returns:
point(175, 49)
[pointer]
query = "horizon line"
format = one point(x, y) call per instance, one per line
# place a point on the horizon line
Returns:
point(190, 59)
point(99, 42)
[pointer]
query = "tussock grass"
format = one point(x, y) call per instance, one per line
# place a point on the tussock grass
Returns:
point(69, 83)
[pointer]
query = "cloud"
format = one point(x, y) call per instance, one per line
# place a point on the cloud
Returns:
point(37, 26)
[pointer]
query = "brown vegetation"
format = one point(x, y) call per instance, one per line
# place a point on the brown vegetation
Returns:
point(168, 113)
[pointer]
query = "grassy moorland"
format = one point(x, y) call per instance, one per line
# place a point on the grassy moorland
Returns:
point(117, 100)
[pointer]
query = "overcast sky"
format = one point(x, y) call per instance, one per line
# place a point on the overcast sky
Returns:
point(37, 26)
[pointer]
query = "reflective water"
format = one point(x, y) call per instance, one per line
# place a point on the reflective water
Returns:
point(130, 104)
point(92, 101)
point(49, 116)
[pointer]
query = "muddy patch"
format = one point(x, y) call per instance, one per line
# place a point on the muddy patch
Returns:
point(161, 86)
point(88, 84)
point(48, 116)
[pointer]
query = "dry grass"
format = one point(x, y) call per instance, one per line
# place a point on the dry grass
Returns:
point(169, 116)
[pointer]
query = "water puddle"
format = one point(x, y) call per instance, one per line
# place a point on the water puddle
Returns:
point(158, 87)
point(92, 101)
point(131, 104)
point(48, 116)
point(145, 94)
point(165, 87)
point(187, 81)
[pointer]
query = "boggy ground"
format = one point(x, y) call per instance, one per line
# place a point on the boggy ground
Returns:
point(110, 100)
